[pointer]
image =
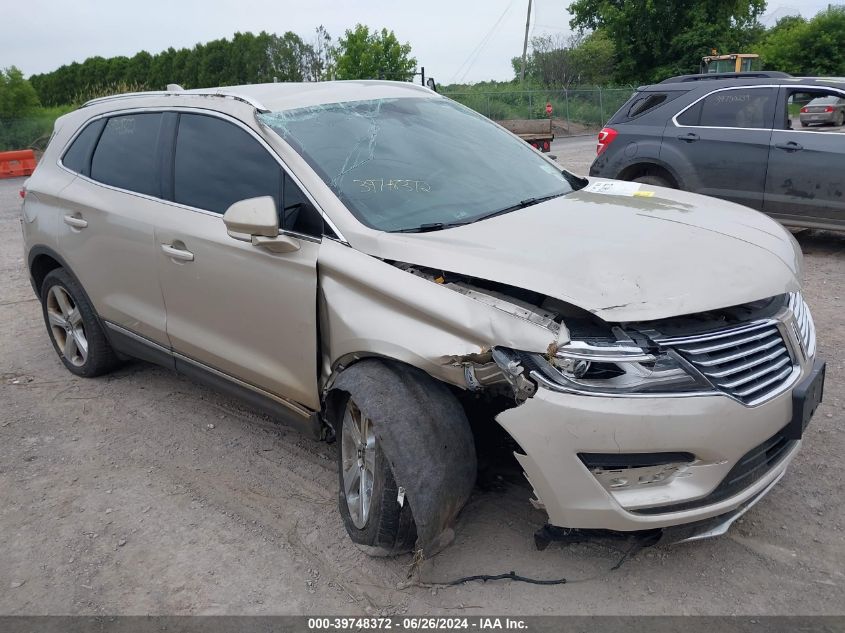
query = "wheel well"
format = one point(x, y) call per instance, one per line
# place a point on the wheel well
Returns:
point(647, 169)
point(41, 266)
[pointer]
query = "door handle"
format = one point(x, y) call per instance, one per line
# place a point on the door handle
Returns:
point(791, 146)
point(689, 138)
point(177, 253)
point(75, 221)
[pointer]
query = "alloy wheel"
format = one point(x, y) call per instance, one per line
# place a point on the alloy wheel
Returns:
point(358, 459)
point(66, 325)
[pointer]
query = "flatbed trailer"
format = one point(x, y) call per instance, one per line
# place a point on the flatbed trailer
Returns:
point(536, 132)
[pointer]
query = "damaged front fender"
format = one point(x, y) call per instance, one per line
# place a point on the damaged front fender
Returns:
point(372, 308)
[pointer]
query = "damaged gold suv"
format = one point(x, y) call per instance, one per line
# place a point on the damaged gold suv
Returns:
point(374, 263)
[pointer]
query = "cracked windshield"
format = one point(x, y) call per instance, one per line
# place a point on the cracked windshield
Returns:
point(418, 164)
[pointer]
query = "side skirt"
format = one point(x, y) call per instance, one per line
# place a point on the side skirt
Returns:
point(130, 344)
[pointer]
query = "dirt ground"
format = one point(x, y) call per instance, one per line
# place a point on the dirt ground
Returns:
point(144, 493)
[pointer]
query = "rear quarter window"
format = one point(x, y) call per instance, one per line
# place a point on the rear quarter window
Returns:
point(642, 103)
point(78, 156)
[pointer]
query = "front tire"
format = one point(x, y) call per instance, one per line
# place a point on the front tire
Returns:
point(73, 327)
point(369, 496)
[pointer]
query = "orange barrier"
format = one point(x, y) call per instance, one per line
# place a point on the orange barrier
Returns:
point(17, 163)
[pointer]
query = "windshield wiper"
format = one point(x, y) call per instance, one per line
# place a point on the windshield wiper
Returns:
point(520, 205)
point(439, 226)
point(429, 227)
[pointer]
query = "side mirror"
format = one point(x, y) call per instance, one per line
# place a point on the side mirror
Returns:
point(256, 220)
point(254, 216)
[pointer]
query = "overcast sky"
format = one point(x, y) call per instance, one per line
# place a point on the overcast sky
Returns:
point(455, 41)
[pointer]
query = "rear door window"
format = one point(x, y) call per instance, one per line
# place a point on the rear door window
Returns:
point(217, 164)
point(741, 108)
point(692, 115)
point(126, 155)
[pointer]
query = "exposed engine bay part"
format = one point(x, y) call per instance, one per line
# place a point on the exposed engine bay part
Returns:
point(514, 373)
point(522, 304)
point(426, 437)
point(551, 533)
point(415, 320)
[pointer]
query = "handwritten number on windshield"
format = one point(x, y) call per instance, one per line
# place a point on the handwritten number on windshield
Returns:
point(376, 185)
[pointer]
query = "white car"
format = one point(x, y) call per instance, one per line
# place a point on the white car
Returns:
point(373, 262)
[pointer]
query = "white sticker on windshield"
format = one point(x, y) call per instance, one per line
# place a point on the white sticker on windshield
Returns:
point(617, 188)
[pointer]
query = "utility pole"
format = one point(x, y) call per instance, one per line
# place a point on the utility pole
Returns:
point(525, 44)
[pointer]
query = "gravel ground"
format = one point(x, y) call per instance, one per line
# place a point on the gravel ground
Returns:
point(144, 493)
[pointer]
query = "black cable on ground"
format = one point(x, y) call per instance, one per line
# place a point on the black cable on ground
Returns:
point(509, 576)
point(635, 547)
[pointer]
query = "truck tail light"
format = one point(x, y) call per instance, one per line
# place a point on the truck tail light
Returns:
point(606, 137)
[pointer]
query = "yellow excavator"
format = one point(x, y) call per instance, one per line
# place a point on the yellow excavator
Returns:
point(730, 63)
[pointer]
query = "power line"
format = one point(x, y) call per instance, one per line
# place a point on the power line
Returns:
point(546, 13)
point(476, 52)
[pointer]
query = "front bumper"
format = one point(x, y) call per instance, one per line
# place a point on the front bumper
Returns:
point(553, 428)
point(710, 528)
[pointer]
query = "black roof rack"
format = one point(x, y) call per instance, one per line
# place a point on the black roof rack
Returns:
point(759, 74)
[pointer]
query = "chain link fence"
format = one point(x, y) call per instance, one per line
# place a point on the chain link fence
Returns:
point(26, 133)
point(574, 112)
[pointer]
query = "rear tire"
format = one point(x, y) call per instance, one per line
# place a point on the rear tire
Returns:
point(651, 179)
point(74, 328)
point(368, 497)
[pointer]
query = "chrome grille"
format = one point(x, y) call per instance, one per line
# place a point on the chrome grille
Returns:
point(751, 362)
point(803, 326)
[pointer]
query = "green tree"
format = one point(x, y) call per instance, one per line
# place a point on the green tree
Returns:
point(17, 97)
point(137, 68)
point(802, 47)
point(288, 58)
point(595, 58)
point(377, 55)
point(582, 59)
point(654, 40)
point(246, 58)
point(779, 46)
point(320, 61)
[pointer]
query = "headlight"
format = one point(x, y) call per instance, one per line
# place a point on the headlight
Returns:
point(607, 368)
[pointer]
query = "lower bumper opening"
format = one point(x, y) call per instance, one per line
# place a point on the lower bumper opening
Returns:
point(750, 468)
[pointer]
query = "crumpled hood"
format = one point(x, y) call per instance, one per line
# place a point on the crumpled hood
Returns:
point(621, 257)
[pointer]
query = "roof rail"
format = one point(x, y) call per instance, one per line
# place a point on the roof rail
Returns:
point(757, 74)
point(181, 93)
